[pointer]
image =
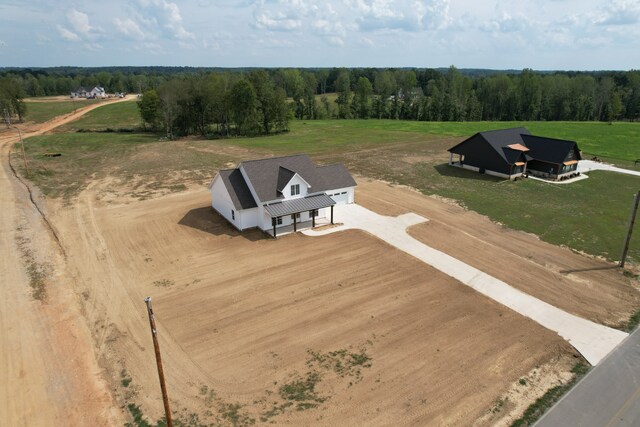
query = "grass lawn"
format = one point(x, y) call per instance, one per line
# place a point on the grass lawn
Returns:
point(589, 215)
point(617, 141)
point(141, 161)
point(121, 115)
point(40, 112)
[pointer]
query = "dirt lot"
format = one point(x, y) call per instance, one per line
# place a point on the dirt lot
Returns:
point(363, 332)
point(340, 329)
point(581, 285)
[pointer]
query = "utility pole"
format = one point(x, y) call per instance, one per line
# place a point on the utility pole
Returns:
point(24, 156)
point(156, 347)
point(632, 220)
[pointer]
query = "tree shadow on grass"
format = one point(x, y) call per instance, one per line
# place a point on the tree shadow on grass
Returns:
point(208, 220)
point(455, 172)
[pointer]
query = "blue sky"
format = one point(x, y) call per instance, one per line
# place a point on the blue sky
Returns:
point(541, 34)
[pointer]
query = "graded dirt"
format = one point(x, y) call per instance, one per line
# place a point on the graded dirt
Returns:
point(240, 316)
point(340, 329)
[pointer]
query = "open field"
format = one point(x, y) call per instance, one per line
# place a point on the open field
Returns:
point(246, 328)
point(589, 215)
point(341, 329)
point(39, 111)
point(123, 115)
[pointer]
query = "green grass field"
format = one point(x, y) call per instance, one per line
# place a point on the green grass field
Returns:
point(40, 112)
point(589, 215)
point(617, 141)
point(121, 115)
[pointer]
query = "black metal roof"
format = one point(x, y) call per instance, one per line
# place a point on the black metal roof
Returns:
point(500, 139)
point(550, 149)
point(288, 207)
point(238, 189)
point(540, 148)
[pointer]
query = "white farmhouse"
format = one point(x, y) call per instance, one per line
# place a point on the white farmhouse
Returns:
point(97, 92)
point(280, 192)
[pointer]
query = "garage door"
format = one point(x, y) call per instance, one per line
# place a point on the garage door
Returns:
point(340, 198)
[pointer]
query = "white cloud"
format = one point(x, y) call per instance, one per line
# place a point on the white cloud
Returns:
point(277, 22)
point(167, 17)
point(129, 28)
point(405, 15)
point(81, 29)
point(620, 12)
point(79, 22)
point(69, 36)
point(506, 24)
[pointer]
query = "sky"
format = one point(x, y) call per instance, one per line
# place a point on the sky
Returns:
point(494, 34)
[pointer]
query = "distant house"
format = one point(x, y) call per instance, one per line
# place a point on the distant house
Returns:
point(511, 153)
point(79, 93)
point(95, 92)
point(280, 192)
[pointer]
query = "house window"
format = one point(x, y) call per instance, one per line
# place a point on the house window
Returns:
point(279, 220)
point(295, 189)
point(298, 216)
point(315, 212)
point(233, 215)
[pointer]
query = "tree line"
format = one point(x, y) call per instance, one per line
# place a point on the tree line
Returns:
point(223, 104)
point(406, 94)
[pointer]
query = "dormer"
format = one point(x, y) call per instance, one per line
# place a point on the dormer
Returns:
point(291, 185)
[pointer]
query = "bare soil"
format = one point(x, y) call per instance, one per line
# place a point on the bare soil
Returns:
point(341, 329)
point(582, 285)
point(240, 315)
point(49, 373)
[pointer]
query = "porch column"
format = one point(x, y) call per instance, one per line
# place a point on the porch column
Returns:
point(294, 222)
point(312, 212)
point(332, 214)
point(450, 158)
point(273, 223)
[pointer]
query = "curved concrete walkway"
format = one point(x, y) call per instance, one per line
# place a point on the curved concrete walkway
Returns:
point(592, 340)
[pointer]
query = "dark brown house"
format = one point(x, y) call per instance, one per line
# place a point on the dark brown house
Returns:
point(511, 153)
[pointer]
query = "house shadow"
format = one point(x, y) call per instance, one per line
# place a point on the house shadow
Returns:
point(208, 220)
point(444, 169)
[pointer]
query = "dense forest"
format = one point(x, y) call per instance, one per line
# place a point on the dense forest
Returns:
point(406, 94)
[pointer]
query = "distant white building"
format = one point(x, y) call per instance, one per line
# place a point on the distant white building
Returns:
point(279, 192)
point(95, 92)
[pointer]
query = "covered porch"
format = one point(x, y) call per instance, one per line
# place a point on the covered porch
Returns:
point(293, 209)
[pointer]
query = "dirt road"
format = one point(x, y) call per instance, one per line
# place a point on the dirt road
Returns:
point(49, 375)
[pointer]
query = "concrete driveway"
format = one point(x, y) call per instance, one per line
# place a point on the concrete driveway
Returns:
point(590, 165)
point(592, 340)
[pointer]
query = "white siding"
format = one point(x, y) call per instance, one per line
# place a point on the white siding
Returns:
point(221, 202)
point(296, 180)
point(342, 196)
point(249, 218)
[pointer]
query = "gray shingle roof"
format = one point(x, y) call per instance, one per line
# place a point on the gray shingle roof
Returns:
point(265, 175)
point(288, 207)
point(335, 176)
point(237, 189)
